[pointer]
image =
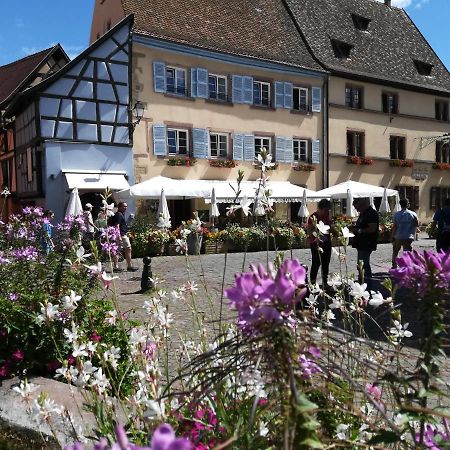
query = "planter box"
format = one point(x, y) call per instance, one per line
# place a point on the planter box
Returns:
point(171, 250)
point(212, 247)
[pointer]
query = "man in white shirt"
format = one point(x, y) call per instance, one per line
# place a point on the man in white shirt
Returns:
point(89, 221)
point(404, 230)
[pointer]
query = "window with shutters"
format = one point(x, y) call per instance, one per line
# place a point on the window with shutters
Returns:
point(442, 152)
point(218, 145)
point(217, 85)
point(353, 97)
point(176, 81)
point(441, 110)
point(300, 150)
point(300, 99)
point(397, 147)
point(177, 142)
point(261, 93)
point(355, 143)
point(411, 193)
point(389, 102)
point(263, 142)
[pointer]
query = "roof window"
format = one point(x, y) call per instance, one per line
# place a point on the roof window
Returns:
point(423, 68)
point(341, 49)
point(360, 22)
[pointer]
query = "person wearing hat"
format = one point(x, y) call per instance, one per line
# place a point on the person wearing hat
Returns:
point(89, 222)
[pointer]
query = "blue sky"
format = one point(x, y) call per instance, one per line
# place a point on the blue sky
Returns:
point(33, 25)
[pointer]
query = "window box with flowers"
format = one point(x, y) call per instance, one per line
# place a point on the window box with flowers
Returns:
point(441, 166)
point(226, 163)
point(304, 167)
point(181, 162)
point(401, 163)
point(359, 160)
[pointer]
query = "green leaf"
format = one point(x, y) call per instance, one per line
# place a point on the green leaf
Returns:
point(304, 404)
point(311, 443)
point(385, 437)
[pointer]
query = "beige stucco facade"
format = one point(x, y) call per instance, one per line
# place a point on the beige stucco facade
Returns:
point(228, 118)
point(415, 121)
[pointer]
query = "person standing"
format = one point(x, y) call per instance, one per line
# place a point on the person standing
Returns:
point(366, 237)
point(441, 220)
point(321, 244)
point(46, 233)
point(119, 220)
point(404, 230)
point(89, 222)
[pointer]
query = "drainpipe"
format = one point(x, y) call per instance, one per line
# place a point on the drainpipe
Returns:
point(387, 3)
point(325, 138)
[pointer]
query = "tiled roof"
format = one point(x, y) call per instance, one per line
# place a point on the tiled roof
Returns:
point(261, 29)
point(14, 74)
point(386, 51)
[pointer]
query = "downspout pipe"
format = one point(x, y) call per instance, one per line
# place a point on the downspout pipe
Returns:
point(326, 137)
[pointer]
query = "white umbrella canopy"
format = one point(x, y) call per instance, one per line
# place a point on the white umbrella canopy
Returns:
point(213, 209)
point(163, 212)
point(303, 211)
point(372, 204)
point(74, 207)
point(351, 211)
point(397, 206)
point(339, 191)
point(258, 207)
point(384, 206)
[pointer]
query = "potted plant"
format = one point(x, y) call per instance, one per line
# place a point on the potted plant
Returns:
point(156, 241)
point(441, 166)
point(180, 161)
point(214, 241)
point(226, 163)
point(304, 167)
point(401, 163)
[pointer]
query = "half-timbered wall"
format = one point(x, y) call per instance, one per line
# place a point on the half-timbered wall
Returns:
point(90, 102)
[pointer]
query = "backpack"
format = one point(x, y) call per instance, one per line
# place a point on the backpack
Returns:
point(445, 229)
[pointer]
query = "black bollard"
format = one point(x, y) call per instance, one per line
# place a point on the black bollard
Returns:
point(146, 279)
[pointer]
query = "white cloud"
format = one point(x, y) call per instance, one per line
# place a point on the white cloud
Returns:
point(400, 3)
point(19, 23)
point(421, 3)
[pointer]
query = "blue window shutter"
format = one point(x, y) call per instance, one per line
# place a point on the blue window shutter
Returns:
point(200, 142)
point(316, 99)
point(249, 147)
point(315, 151)
point(288, 151)
point(279, 149)
point(248, 90)
point(238, 147)
point(279, 94)
point(159, 76)
point(288, 89)
point(194, 82)
point(202, 83)
point(159, 140)
point(237, 89)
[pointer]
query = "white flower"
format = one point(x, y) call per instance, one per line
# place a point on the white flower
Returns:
point(341, 256)
point(399, 331)
point(244, 204)
point(323, 229)
point(26, 389)
point(342, 431)
point(71, 335)
point(346, 233)
point(111, 317)
point(48, 312)
point(377, 299)
point(107, 280)
point(164, 222)
point(79, 350)
point(263, 430)
point(190, 287)
point(155, 410)
point(336, 303)
point(81, 255)
point(100, 383)
point(358, 291)
point(181, 246)
point(95, 269)
point(329, 316)
point(70, 302)
point(335, 281)
point(112, 355)
point(266, 160)
point(91, 347)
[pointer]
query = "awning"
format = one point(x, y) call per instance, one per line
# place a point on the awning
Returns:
point(357, 189)
point(97, 181)
point(280, 191)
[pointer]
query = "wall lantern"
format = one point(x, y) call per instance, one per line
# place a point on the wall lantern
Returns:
point(138, 113)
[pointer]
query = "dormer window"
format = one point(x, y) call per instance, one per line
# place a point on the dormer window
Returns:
point(360, 22)
point(341, 49)
point(423, 68)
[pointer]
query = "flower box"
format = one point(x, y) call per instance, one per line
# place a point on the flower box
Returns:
point(304, 168)
point(181, 162)
point(401, 163)
point(226, 163)
point(359, 160)
point(213, 247)
point(441, 166)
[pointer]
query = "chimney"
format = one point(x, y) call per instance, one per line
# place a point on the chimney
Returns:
point(387, 3)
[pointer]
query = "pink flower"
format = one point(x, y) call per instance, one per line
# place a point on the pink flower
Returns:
point(18, 355)
point(374, 391)
point(95, 337)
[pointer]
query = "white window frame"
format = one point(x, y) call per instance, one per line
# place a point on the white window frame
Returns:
point(262, 139)
point(177, 139)
point(223, 77)
point(219, 156)
point(297, 159)
point(297, 91)
point(176, 70)
point(260, 86)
